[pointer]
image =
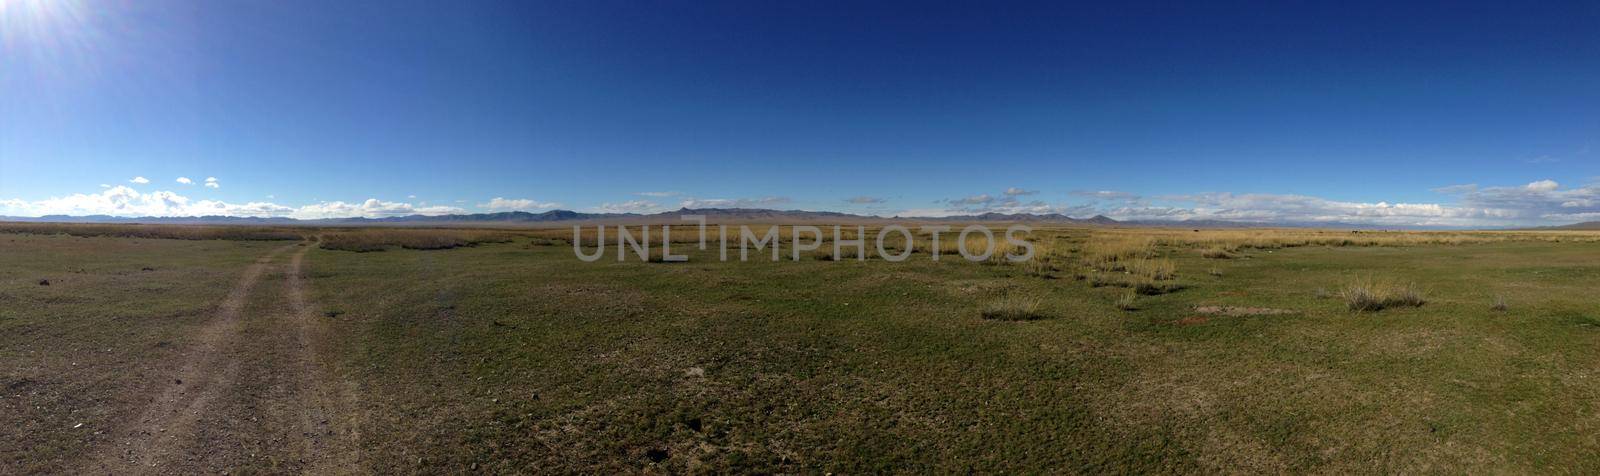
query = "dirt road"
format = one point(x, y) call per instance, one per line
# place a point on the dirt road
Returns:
point(252, 392)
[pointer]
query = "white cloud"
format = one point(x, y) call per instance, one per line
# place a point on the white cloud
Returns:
point(521, 204)
point(371, 208)
point(733, 202)
point(124, 201)
point(185, 181)
point(1538, 203)
point(139, 180)
point(864, 200)
point(924, 213)
point(1105, 194)
point(105, 185)
point(1543, 186)
point(979, 199)
point(1457, 189)
point(1016, 192)
point(1275, 208)
point(631, 206)
point(658, 194)
point(211, 182)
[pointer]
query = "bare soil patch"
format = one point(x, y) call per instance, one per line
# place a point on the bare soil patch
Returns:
point(1236, 311)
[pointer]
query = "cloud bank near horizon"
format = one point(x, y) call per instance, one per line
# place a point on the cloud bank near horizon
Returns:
point(1542, 202)
point(124, 201)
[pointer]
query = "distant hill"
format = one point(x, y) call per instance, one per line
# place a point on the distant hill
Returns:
point(713, 215)
point(1588, 225)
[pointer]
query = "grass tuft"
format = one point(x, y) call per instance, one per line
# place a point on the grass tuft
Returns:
point(1013, 308)
point(1129, 301)
point(1370, 296)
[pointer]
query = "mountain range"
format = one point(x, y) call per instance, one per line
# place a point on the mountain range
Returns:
point(713, 215)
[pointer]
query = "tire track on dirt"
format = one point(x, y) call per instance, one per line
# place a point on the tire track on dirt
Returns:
point(328, 404)
point(164, 427)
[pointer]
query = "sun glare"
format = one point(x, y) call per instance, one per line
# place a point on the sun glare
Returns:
point(41, 23)
point(50, 39)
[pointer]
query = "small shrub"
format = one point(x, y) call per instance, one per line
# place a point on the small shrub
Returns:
point(1013, 308)
point(1152, 288)
point(1405, 296)
point(1128, 301)
point(1368, 296)
point(1499, 304)
point(1322, 293)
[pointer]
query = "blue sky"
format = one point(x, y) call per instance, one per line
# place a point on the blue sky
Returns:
point(1425, 114)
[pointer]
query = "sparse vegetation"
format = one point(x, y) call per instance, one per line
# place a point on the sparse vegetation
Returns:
point(1153, 269)
point(762, 367)
point(540, 241)
point(379, 239)
point(1499, 303)
point(174, 232)
point(1039, 268)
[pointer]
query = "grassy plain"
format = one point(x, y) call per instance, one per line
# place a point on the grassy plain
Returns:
point(1142, 350)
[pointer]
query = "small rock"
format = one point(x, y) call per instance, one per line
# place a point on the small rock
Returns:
point(77, 426)
point(44, 282)
point(177, 381)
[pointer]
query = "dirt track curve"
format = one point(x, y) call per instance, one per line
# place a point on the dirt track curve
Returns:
point(252, 392)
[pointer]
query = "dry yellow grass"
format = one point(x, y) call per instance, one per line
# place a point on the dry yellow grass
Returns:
point(378, 239)
point(177, 232)
point(1013, 308)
